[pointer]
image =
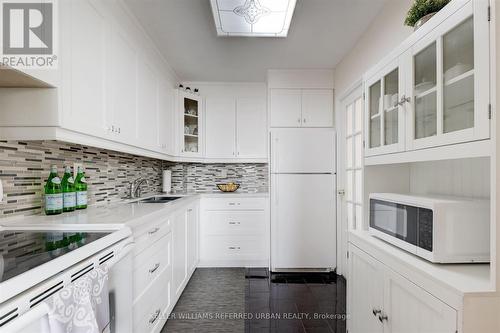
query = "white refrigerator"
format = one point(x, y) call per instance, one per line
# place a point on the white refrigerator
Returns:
point(303, 200)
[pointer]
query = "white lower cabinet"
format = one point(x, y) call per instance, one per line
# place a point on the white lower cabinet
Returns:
point(381, 300)
point(234, 232)
point(165, 257)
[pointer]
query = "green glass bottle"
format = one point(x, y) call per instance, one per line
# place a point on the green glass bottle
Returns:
point(81, 189)
point(53, 193)
point(68, 190)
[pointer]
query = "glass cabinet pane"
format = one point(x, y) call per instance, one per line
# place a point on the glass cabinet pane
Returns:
point(425, 92)
point(390, 99)
point(458, 77)
point(375, 101)
point(191, 125)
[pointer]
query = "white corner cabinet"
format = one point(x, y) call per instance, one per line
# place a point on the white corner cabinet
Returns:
point(190, 111)
point(234, 232)
point(165, 257)
point(434, 89)
point(235, 128)
point(301, 107)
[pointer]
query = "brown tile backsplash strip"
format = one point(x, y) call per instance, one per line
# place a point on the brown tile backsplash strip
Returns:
point(24, 167)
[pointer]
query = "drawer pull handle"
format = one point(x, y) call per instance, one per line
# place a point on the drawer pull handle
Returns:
point(156, 266)
point(232, 203)
point(235, 223)
point(154, 231)
point(155, 316)
point(234, 248)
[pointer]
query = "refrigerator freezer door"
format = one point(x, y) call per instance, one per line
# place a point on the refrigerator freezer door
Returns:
point(303, 150)
point(303, 232)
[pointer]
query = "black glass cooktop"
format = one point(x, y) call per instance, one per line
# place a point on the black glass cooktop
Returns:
point(21, 251)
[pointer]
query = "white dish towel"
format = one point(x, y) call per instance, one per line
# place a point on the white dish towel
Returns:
point(80, 307)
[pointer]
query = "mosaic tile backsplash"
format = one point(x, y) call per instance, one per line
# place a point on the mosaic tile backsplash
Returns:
point(24, 167)
point(202, 178)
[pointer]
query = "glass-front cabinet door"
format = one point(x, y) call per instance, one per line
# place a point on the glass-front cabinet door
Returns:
point(449, 80)
point(384, 121)
point(191, 115)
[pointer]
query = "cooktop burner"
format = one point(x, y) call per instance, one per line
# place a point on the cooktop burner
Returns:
point(21, 251)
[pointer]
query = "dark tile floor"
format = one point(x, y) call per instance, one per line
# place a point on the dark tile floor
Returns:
point(251, 301)
point(294, 302)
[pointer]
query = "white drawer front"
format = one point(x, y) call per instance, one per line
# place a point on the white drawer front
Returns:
point(234, 223)
point(235, 203)
point(234, 248)
point(149, 263)
point(149, 308)
point(145, 236)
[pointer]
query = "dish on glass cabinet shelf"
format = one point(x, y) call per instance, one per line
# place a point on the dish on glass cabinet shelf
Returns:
point(456, 70)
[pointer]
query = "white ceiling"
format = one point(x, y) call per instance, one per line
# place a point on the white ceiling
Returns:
point(321, 33)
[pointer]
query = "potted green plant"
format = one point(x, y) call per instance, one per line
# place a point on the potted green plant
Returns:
point(422, 10)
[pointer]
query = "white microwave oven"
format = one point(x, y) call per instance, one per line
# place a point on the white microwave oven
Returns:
point(440, 229)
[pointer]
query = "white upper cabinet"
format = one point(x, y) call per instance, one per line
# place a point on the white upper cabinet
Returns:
point(286, 107)
point(191, 116)
point(301, 107)
point(449, 84)
point(251, 129)
point(84, 74)
point(436, 91)
point(123, 113)
point(385, 120)
point(166, 117)
point(317, 108)
point(147, 106)
point(220, 127)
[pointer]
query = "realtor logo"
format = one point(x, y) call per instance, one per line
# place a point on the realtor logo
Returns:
point(28, 33)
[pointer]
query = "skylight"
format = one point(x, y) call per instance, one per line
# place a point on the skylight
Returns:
point(253, 18)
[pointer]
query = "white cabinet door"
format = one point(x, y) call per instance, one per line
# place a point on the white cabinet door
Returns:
point(192, 237)
point(365, 292)
point(191, 124)
point(303, 221)
point(84, 102)
point(251, 128)
point(317, 108)
point(179, 255)
point(147, 105)
point(220, 131)
point(124, 88)
point(286, 107)
point(166, 107)
point(410, 309)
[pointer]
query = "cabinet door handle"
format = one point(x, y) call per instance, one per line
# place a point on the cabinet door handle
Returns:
point(190, 209)
point(383, 317)
point(155, 316)
point(376, 312)
point(155, 267)
point(304, 120)
point(298, 120)
point(154, 231)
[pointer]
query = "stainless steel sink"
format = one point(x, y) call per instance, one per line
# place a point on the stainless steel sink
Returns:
point(159, 199)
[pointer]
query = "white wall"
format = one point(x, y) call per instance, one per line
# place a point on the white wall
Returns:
point(385, 33)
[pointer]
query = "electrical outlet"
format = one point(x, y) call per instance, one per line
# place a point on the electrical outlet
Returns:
point(75, 168)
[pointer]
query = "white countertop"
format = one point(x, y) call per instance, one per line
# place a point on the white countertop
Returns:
point(460, 278)
point(127, 213)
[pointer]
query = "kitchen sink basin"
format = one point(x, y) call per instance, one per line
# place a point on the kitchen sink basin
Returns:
point(159, 199)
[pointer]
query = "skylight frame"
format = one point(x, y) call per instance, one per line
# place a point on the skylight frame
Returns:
point(220, 26)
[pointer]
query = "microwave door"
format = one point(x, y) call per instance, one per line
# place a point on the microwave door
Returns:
point(394, 223)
